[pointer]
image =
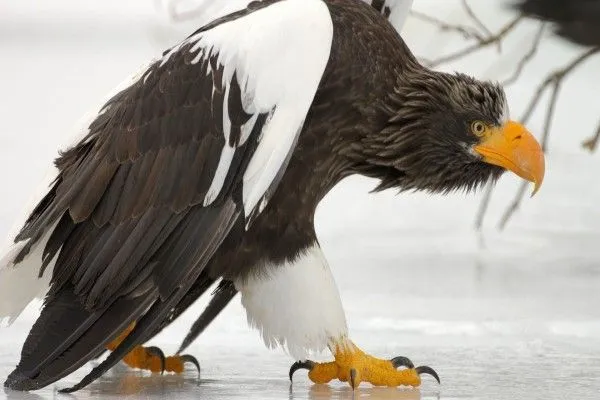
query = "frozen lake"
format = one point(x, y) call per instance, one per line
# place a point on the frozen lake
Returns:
point(502, 315)
point(499, 329)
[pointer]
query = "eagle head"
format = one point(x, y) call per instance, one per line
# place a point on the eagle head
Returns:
point(448, 132)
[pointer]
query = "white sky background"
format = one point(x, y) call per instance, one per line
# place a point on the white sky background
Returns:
point(59, 58)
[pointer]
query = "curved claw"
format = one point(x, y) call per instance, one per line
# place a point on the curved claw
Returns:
point(429, 371)
point(402, 362)
point(308, 365)
point(155, 351)
point(188, 358)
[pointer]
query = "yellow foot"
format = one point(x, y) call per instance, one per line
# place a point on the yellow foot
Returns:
point(152, 358)
point(352, 365)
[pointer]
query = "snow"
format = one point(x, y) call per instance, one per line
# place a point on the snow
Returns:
point(502, 315)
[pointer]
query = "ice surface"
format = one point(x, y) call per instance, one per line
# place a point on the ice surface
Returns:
point(511, 315)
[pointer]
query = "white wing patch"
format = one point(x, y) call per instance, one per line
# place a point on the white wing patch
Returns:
point(219, 178)
point(277, 73)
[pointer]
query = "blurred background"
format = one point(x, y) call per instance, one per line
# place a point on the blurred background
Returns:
point(512, 313)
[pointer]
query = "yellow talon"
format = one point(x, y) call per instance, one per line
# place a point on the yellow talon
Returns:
point(151, 358)
point(354, 366)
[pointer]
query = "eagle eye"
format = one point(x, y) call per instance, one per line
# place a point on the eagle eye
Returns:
point(478, 128)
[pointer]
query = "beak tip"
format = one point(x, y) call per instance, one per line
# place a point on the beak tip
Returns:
point(540, 171)
point(536, 188)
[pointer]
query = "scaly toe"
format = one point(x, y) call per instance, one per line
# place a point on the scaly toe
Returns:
point(152, 358)
point(317, 372)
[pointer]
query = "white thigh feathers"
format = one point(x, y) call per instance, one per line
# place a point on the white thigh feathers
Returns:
point(296, 305)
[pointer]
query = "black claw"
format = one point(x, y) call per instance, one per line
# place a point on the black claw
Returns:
point(353, 378)
point(309, 365)
point(402, 362)
point(428, 370)
point(155, 351)
point(188, 358)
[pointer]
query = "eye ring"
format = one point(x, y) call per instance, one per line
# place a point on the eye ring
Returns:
point(478, 128)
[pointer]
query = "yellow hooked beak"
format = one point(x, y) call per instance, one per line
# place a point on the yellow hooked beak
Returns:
point(512, 147)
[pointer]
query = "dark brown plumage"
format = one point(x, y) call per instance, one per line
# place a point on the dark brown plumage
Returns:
point(135, 240)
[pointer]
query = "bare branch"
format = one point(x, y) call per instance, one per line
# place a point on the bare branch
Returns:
point(465, 31)
point(527, 57)
point(489, 188)
point(591, 143)
point(480, 45)
point(475, 18)
point(554, 76)
point(514, 206)
point(550, 113)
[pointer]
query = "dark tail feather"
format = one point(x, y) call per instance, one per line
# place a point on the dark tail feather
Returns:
point(218, 221)
point(223, 295)
point(66, 336)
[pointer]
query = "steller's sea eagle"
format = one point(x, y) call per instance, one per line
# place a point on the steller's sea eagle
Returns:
point(209, 166)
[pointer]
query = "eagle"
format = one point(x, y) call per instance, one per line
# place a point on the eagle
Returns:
point(208, 165)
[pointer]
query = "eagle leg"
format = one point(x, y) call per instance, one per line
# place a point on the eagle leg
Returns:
point(354, 366)
point(152, 358)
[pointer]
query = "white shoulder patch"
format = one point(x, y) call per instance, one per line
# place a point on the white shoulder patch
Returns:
point(296, 305)
point(277, 54)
